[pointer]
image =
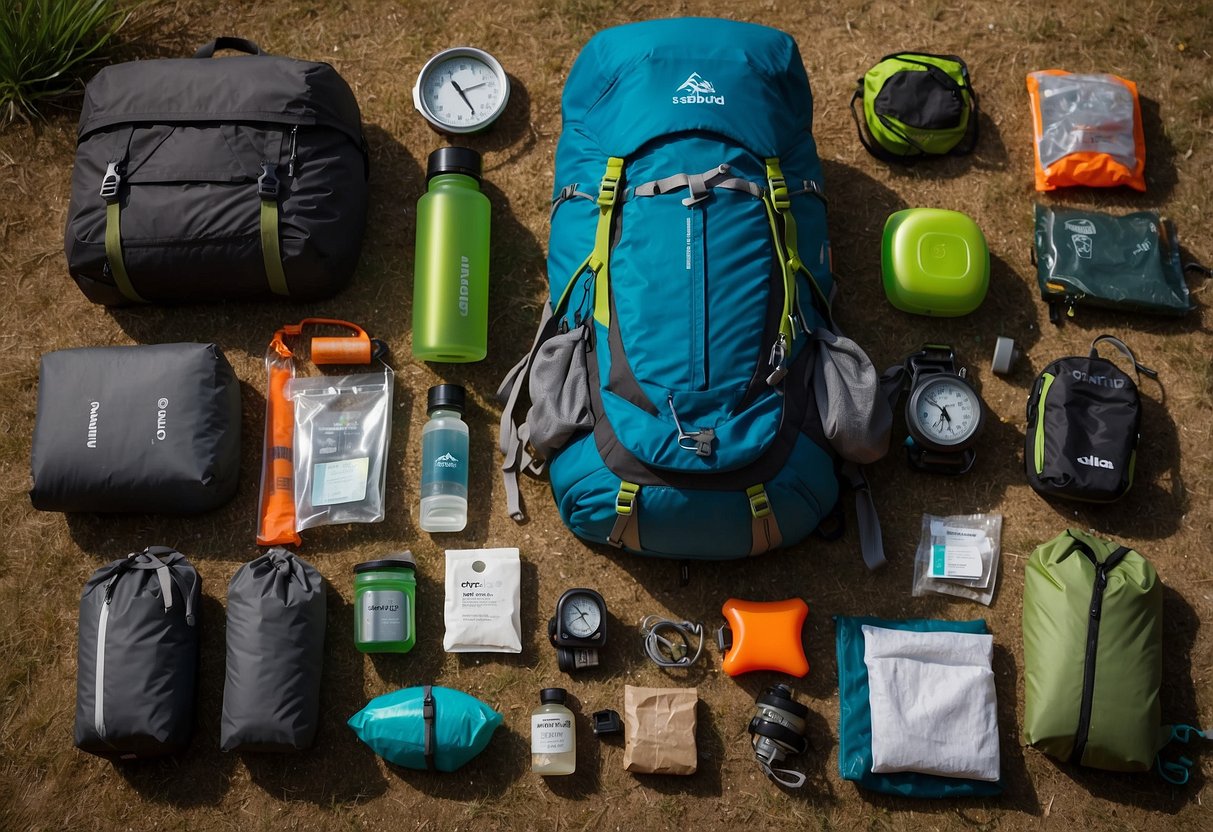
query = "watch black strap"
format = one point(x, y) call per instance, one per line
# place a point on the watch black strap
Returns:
point(936, 462)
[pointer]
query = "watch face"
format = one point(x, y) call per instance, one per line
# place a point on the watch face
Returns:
point(944, 412)
point(581, 615)
point(461, 90)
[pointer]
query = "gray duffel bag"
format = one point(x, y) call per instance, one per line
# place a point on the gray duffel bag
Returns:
point(200, 179)
point(151, 428)
point(137, 661)
point(275, 651)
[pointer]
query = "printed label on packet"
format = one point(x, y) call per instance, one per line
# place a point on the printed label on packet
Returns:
point(960, 553)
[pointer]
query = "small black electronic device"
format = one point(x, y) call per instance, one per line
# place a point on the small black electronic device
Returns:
point(777, 731)
point(944, 412)
point(578, 630)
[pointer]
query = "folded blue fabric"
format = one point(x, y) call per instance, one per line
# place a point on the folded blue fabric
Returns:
point(855, 715)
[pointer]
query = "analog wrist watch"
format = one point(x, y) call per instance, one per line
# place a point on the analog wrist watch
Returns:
point(943, 413)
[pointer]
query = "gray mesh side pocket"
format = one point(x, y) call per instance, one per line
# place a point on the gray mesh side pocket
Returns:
point(560, 392)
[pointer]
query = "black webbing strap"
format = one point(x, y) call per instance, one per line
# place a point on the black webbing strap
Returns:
point(427, 713)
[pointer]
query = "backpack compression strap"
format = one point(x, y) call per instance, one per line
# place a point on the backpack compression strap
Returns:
point(599, 261)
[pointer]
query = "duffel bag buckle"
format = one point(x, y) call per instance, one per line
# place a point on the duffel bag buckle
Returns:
point(267, 182)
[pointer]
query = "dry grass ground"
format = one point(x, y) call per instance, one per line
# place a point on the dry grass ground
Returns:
point(46, 784)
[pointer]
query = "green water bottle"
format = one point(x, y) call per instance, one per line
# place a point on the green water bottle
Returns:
point(451, 266)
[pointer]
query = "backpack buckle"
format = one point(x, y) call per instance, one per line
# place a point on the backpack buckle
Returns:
point(267, 182)
point(111, 181)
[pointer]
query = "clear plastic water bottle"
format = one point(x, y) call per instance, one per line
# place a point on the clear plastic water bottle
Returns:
point(444, 461)
point(451, 260)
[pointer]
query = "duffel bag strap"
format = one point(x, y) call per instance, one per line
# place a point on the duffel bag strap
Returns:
point(111, 192)
point(271, 252)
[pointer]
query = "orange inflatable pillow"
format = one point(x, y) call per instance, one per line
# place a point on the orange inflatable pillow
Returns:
point(766, 636)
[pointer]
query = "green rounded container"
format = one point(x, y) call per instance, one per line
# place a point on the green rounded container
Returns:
point(934, 262)
point(385, 593)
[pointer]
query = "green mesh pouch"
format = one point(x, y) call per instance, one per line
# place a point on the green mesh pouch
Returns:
point(916, 105)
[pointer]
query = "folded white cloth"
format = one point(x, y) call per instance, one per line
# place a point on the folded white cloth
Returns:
point(933, 703)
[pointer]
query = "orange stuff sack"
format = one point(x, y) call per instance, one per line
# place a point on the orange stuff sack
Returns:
point(1087, 130)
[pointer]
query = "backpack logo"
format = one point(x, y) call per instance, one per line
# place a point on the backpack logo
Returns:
point(700, 91)
point(161, 419)
point(1102, 381)
point(1096, 462)
point(447, 460)
point(93, 409)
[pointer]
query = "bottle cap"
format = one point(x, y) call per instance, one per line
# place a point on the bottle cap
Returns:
point(453, 160)
point(549, 695)
point(404, 560)
point(446, 397)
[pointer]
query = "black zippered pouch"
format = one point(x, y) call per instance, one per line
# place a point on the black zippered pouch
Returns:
point(1084, 419)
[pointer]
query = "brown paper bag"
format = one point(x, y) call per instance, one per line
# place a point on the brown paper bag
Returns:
point(659, 728)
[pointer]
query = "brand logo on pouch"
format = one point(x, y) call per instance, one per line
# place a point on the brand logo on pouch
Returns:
point(93, 407)
point(1080, 226)
point(384, 608)
point(700, 91)
point(465, 271)
point(161, 418)
point(1102, 381)
point(447, 460)
point(1096, 462)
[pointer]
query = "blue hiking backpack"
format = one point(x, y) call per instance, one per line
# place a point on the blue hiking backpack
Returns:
point(690, 396)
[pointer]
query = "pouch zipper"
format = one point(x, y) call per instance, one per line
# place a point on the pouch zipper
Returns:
point(1095, 613)
point(290, 165)
point(1039, 439)
point(99, 670)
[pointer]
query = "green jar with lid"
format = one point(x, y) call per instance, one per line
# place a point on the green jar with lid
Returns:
point(385, 593)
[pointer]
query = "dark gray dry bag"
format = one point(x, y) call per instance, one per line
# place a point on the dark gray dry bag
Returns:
point(137, 662)
point(275, 649)
point(199, 179)
point(151, 428)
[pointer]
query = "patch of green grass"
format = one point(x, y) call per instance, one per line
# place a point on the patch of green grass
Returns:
point(45, 46)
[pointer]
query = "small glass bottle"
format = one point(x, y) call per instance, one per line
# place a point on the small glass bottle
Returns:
point(553, 735)
point(444, 461)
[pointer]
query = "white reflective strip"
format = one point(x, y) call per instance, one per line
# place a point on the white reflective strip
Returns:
point(99, 686)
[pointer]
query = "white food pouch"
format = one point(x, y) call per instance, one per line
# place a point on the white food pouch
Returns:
point(482, 612)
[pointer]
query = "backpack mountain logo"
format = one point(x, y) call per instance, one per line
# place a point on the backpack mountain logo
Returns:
point(701, 92)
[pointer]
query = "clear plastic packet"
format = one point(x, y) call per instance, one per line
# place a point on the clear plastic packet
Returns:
point(958, 555)
point(342, 425)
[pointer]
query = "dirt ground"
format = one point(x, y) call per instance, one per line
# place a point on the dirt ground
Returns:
point(46, 784)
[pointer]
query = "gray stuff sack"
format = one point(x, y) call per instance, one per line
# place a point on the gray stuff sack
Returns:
point(855, 412)
point(275, 651)
point(152, 428)
point(137, 660)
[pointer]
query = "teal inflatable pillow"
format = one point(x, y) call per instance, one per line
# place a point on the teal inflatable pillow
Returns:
point(393, 725)
point(855, 715)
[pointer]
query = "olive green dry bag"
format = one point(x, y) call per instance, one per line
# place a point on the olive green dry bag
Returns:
point(1092, 645)
point(916, 104)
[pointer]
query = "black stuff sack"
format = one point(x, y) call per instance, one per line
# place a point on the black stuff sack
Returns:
point(150, 428)
point(275, 651)
point(137, 660)
point(1084, 417)
point(199, 180)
